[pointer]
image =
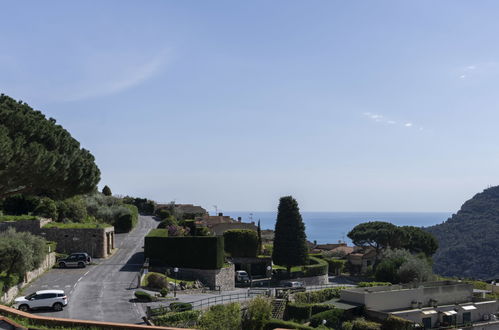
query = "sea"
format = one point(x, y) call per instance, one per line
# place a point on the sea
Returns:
point(333, 227)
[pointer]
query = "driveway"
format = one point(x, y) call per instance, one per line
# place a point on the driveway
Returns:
point(102, 292)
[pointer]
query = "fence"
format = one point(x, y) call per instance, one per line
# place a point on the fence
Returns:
point(216, 300)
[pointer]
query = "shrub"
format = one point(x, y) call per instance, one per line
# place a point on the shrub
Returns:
point(221, 317)
point(318, 296)
point(371, 284)
point(298, 311)
point(163, 214)
point(180, 307)
point(274, 324)
point(163, 292)
point(167, 222)
point(46, 208)
point(397, 323)
point(143, 296)
point(72, 209)
point(362, 324)
point(333, 318)
point(177, 319)
point(127, 220)
point(259, 312)
point(157, 281)
point(241, 242)
point(190, 252)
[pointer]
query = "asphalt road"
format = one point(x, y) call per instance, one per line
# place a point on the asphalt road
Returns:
point(102, 292)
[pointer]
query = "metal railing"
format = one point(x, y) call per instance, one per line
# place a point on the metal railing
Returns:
point(210, 301)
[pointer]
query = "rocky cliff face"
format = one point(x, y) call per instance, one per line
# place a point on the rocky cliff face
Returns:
point(469, 240)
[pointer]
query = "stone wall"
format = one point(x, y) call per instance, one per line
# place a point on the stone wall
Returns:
point(97, 242)
point(32, 226)
point(13, 292)
point(223, 277)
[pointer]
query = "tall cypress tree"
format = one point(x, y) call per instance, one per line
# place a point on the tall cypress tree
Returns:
point(259, 234)
point(290, 240)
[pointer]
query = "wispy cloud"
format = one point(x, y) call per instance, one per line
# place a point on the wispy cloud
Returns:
point(478, 69)
point(81, 73)
point(384, 120)
point(105, 75)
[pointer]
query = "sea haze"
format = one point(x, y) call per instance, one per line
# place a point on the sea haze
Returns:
point(331, 227)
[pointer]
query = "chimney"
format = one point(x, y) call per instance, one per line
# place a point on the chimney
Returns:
point(220, 214)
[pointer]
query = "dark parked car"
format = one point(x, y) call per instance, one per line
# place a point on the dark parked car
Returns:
point(79, 259)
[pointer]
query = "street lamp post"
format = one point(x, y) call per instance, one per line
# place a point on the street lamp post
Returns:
point(175, 270)
point(269, 270)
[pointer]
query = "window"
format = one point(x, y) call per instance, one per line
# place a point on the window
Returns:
point(467, 317)
point(427, 323)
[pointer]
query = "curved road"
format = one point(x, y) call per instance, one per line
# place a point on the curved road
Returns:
point(103, 292)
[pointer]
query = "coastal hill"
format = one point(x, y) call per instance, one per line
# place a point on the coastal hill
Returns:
point(469, 239)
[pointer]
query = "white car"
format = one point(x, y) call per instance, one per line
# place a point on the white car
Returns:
point(55, 299)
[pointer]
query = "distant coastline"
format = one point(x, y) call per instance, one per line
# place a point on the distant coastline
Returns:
point(331, 227)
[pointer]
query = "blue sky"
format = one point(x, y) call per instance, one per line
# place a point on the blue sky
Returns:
point(346, 105)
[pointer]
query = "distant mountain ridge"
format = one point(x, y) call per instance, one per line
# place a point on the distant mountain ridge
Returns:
point(469, 239)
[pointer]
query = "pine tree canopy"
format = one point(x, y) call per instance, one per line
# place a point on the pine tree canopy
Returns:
point(38, 157)
point(290, 241)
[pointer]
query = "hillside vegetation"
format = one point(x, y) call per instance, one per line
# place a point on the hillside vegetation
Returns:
point(469, 240)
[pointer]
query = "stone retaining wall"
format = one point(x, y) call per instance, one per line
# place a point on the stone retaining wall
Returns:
point(97, 242)
point(223, 277)
point(13, 292)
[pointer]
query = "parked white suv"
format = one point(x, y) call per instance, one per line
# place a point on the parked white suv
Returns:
point(55, 299)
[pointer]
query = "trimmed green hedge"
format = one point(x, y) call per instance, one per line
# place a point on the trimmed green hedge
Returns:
point(241, 242)
point(371, 284)
point(318, 296)
point(126, 222)
point(143, 296)
point(160, 232)
point(274, 324)
point(177, 319)
point(303, 312)
point(205, 252)
point(180, 307)
point(298, 312)
point(317, 267)
point(333, 318)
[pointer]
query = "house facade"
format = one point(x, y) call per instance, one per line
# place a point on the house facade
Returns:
point(430, 304)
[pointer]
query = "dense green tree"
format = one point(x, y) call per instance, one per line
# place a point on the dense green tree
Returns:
point(38, 157)
point(46, 208)
point(290, 241)
point(419, 241)
point(20, 252)
point(377, 234)
point(72, 209)
point(107, 191)
point(400, 266)
point(259, 234)
point(259, 312)
point(20, 204)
